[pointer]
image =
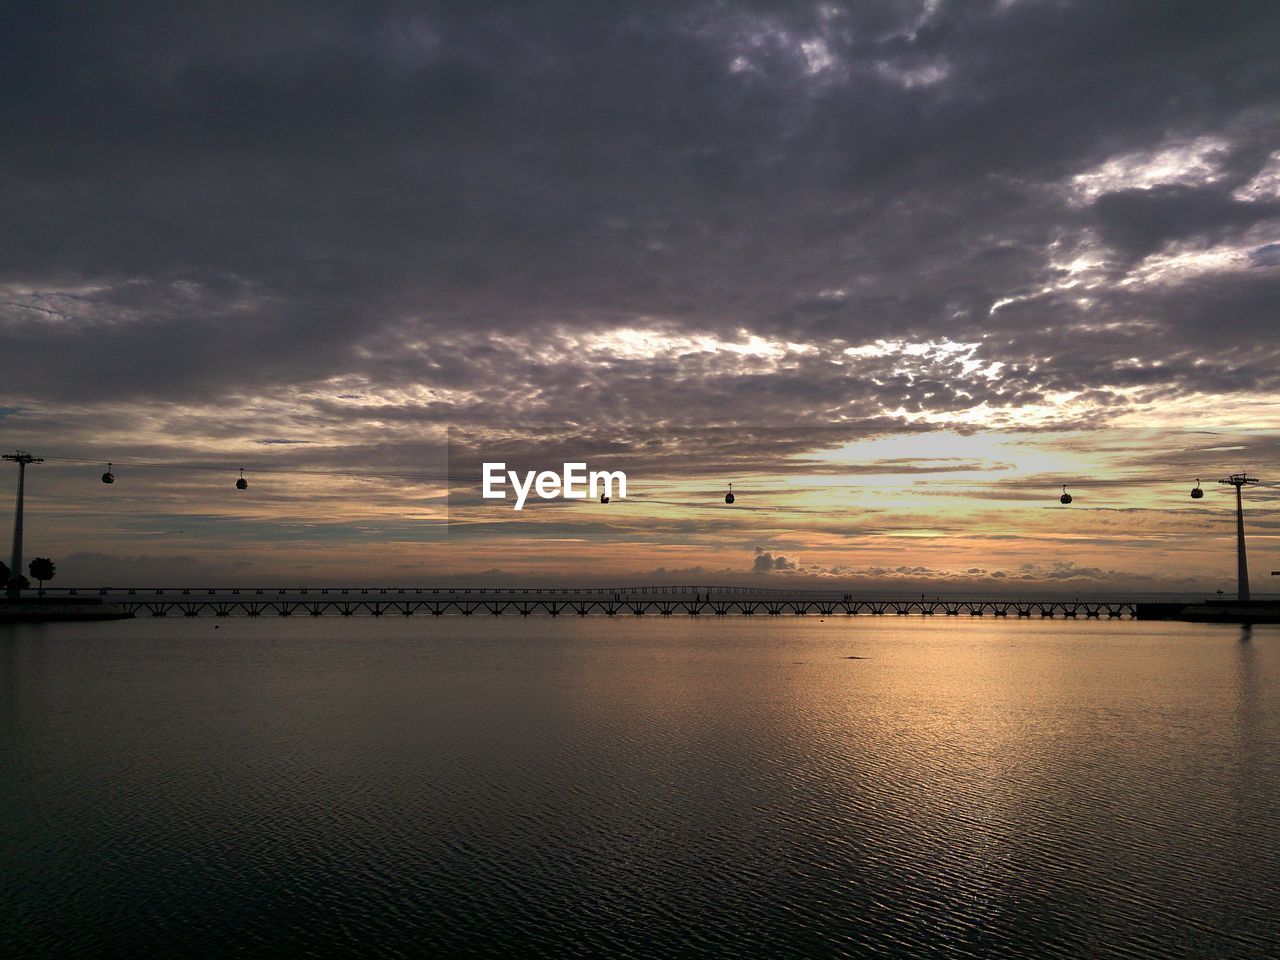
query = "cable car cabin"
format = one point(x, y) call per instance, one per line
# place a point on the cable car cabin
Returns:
point(242, 483)
point(108, 476)
point(1065, 498)
point(728, 497)
point(1196, 492)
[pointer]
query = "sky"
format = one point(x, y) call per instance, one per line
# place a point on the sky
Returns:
point(897, 270)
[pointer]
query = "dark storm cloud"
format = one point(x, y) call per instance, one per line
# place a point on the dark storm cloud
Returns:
point(1140, 222)
point(420, 215)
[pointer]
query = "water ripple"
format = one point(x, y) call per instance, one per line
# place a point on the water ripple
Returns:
point(640, 789)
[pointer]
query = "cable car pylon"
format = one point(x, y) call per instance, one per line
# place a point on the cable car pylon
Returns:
point(21, 458)
point(1240, 481)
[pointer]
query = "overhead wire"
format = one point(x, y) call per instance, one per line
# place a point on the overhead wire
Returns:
point(1041, 479)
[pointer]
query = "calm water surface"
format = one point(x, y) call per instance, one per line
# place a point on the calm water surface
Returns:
point(654, 788)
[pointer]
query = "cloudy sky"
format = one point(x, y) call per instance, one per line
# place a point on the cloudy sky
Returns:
point(897, 270)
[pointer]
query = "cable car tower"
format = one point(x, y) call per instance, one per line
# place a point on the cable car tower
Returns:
point(1240, 481)
point(21, 459)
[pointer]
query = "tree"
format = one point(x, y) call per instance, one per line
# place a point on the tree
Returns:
point(4, 574)
point(41, 569)
point(19, 583)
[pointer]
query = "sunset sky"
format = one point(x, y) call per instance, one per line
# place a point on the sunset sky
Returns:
point(898, 271)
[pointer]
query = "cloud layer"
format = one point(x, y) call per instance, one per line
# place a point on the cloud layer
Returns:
point(697, 237)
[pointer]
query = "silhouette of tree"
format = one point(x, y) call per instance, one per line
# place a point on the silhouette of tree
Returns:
point(19, 583)
point(4, 574)
point(41, 569)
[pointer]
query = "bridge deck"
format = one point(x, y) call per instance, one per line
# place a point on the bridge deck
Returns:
point(586, 601)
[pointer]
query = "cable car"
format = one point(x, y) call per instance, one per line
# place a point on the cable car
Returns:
point(1196, 492)
point(1066, 497)
point(603, 498)
point(728, 497)
point(242, 483)
point(108, 476)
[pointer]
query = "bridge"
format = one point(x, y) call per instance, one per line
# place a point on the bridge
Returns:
point(663, 601)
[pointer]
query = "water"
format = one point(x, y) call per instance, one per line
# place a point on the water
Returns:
point(655, 788)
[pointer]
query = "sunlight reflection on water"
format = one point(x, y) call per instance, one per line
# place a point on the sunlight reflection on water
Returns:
point(640, 788)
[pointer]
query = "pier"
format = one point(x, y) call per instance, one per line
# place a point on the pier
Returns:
point(640, 601)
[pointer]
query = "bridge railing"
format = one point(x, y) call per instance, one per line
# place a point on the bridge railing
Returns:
point(655, 591)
